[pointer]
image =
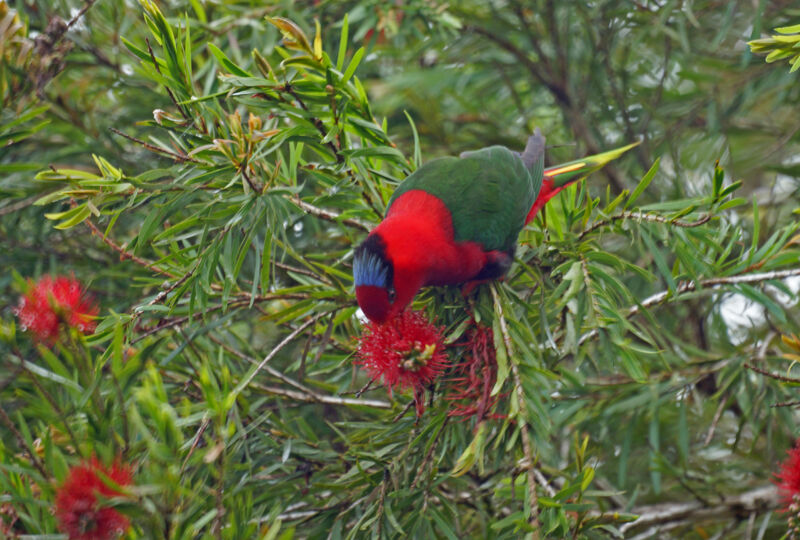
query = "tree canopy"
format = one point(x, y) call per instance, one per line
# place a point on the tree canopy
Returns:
point(205, 170)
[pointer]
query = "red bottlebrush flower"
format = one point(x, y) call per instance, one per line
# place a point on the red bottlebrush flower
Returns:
point(77, 510)
point(788, 481)
point(406, 351)
point(51, 302)
point(475, 377)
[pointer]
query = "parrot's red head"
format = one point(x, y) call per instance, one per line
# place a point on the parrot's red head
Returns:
point(373, 274)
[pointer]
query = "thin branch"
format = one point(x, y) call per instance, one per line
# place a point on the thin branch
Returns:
point(427, 459)
point(321, 398)
point(329, 214)
point(123, 254)
point(523, 421)
point(170, 287)
point(786, 404)
point(403, 412)
point(661, 516)
point(168, 323)
point(169, 91)
point(19, 205)
point(35, 461)
point(771, 375)
point(182, 158)
point(86, 5)
point(288, 339)
point(304, 393)
point(641, 216)
point(522, 57)
point(715, 421)
point(314, 120)
point(689, 286)
point(203, 426)
point(303, 271)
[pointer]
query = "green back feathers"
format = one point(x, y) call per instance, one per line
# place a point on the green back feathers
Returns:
point(488, 192)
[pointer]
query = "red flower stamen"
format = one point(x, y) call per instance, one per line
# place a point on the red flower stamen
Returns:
point(788, 481)
point(78, 511)
point(406, 351)
point(50, 303)
point(475, 376)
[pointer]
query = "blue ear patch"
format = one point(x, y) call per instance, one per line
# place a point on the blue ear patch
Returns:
point(370, 266)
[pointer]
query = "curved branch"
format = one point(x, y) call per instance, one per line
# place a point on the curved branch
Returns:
point(661, 517)
point(689, 286)
point(641, 216)
point(328, 214)
point(523, 421)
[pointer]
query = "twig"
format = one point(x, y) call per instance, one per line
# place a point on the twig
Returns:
point(771, 375)
point(11, 208)
point(321, 398)
point(786, 404)
point(86, 5)
point(379, 513)
point(35, 461)
point(641, 216)
point(123, 254)
point(288, 339)
point(203, 427)
point(524, 59)
point(688, 286)
point(403, 412)
point(153, 148)
point(328, 214)
point(158, 70)
point(429, 454)
point(235, 304)
point(302, 271)
point(661, 516)
point(523, 422)
point(53, 403)
point(715, 421)
point(305, 393)
point(170, 287)
point(314, 120)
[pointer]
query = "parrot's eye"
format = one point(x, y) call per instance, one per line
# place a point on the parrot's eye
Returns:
point(391, 294)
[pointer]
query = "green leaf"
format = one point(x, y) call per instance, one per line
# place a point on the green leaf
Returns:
point(71, 217)
point(342, 44)
point(643, 183)
point(658, 257)
point(351, 67)
point(226, 62)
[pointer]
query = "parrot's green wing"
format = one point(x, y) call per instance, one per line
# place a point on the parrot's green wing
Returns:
point(488, 192)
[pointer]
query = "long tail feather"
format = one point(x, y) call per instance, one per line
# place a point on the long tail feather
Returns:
point(558, 177)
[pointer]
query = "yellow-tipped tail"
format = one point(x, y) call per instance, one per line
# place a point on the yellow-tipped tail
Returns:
point(569, 172)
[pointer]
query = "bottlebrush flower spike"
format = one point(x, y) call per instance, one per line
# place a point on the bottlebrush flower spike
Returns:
point(475, 376)
point(406, 351)
point(52, 302)
point(77, 510)
point(788, 481)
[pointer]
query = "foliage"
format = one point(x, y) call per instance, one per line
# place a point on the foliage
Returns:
point(780, 46)
point(207, 169)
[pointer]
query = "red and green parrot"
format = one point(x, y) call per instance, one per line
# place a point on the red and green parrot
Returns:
point(456, 220)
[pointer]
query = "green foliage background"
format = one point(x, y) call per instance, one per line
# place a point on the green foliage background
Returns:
point(206, 173)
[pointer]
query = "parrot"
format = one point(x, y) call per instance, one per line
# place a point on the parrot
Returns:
point(455, 220)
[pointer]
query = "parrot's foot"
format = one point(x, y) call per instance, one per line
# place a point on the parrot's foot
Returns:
point(496, 265)
point(495, 268)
